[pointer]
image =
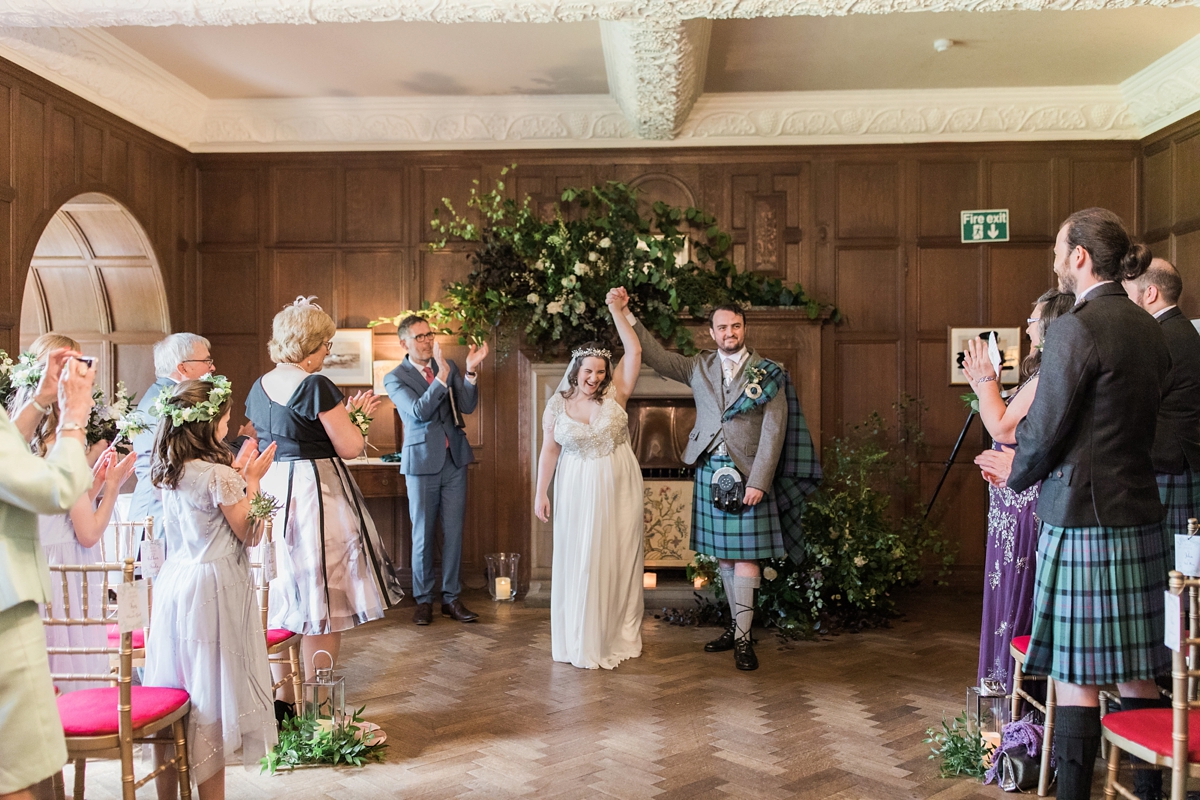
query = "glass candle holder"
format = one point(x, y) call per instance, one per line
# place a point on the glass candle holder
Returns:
point(325, 694)
point(502, 577)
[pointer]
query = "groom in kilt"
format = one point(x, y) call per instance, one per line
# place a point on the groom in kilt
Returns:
point(1102, 570)
point(742, 427)
point(1176, 451)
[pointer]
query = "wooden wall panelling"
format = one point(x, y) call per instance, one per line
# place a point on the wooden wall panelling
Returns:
point(1170, 186)
point(1157, 189)
point(304, 204)
point(1017, 276)
point(1186, 198)
point(1109, 183)
point(1027, 190)
point(306, 273)
point(375, 205)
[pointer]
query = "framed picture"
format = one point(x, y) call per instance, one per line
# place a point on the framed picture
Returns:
point(668, 516)
point(1008, 340)
point(379, 370)
point(349, 362)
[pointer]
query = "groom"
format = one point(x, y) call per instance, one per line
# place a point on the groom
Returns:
point(737, 440)
point(431, 396)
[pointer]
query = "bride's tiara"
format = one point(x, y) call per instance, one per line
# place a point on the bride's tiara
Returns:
point(584, 352)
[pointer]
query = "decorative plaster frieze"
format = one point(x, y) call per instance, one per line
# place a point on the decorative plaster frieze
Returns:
point(1166, 91)
point(103, 13)
point(104, 71)
point(656, 71)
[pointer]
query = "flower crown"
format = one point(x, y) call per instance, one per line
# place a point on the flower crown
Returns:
point(207, 411)
point(599, 352)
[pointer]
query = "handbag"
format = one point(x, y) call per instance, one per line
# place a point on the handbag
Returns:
point(1019, 772)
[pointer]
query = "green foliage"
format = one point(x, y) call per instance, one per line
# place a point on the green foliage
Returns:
point(548, 276)
point(864, 535)
point(262, 506)
point(303, 742)
point(961, 749)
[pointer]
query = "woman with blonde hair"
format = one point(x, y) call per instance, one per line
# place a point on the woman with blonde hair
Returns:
point(74, 538)
point(333, 572)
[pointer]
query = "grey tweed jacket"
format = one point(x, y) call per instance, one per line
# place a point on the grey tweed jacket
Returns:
point(754, 440)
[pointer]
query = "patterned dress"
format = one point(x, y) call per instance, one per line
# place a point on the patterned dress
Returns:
point(1012, 540)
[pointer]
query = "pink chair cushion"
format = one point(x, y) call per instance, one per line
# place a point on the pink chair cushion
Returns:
point(277, 635)
point(1021, 644)
point(139, 637)
point(1152, 727)
point(93, 712)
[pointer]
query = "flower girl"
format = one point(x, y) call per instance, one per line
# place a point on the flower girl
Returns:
point(205, 634)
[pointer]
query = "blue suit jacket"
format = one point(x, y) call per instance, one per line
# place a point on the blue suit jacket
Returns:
point(147, 500)
point(428, 421)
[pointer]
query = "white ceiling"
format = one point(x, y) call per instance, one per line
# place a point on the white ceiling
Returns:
point(614, 73)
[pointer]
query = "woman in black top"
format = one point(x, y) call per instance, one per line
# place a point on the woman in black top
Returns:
point(333, 572)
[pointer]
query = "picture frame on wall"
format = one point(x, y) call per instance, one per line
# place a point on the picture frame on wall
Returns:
point(380, 369)
point(349, 362)
point(1008, 340)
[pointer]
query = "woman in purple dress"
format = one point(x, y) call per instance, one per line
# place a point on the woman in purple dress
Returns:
point(1012, 528)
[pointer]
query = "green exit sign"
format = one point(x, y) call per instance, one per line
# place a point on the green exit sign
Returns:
point(988, 225)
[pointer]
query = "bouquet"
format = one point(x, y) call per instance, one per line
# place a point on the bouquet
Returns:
point(115, 421)
point(262, 507)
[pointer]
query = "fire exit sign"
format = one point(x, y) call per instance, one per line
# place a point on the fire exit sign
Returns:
point(988, 225)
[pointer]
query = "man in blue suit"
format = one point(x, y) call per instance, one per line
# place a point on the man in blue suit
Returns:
point(432, 396)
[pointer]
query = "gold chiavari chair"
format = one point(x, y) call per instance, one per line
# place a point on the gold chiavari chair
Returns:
point(283, 646)
point(1018, 649)
point(1159, 736)
point(128, 535)
point(106, 722)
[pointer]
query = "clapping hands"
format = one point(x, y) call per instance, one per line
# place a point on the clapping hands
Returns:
point(366, 402)
point(996, 465)
point(976, 362)
point(252, 464)
point(475, 356)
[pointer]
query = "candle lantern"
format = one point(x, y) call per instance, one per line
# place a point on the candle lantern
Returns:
point(325, 694)
point(502, 575)
point(988, 709)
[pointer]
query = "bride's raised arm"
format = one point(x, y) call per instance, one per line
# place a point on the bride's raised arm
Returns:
point(625, 374)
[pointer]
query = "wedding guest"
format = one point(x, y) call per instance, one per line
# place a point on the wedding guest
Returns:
point(206, 636)
point(178, 357)
point(1012, 527)
point(1101, 574)
point(1176, 451)
point(333, 572)
point(431, 396)
point(31, 734)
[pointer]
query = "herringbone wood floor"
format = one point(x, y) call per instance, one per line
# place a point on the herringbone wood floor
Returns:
point(480, 711)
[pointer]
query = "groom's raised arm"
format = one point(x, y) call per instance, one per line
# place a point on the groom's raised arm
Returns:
point(670, 365)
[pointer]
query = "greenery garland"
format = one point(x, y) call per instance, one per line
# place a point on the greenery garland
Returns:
point(548, 276)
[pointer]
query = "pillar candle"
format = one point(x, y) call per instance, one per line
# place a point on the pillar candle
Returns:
point(649, 580)
point(503, 588)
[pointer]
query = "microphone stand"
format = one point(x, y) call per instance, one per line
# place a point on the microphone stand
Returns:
point(950, 462)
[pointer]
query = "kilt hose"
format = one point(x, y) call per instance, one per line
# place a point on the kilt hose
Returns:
point(1098, 605)
point(1180, 495)
point(753, 534)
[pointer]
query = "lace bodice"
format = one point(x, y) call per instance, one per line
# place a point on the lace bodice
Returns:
point(597, 440)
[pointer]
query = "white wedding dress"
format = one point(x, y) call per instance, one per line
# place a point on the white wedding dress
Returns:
point(596, 590)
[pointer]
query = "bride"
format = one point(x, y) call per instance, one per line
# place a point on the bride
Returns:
point(596, 593)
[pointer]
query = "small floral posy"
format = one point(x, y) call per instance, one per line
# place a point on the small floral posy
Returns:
point(754, 377)
point(361, 420)
point(263, 506)
point(202, 412)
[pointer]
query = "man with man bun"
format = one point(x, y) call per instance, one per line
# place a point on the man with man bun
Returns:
point(1176, 451)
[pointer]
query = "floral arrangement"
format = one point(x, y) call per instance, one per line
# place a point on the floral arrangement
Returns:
point(116, 421)
point(361, 420)
point(304, 741)
point(207, 411)
point(6, 367)
point(857, 551)
point(27, 372)
point(960, 747)
point(262, 507)
point(548, 277)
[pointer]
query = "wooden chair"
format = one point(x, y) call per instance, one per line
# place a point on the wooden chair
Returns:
point(283, 646)
point(106, 722)
point(1159, 736)
point(128, 537)
point(1018, 649)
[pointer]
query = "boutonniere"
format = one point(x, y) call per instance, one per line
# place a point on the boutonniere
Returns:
point(754, 378)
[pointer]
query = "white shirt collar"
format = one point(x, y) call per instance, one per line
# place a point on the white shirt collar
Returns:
point(1161, 311)
point(736, 358)
point(1079, 298)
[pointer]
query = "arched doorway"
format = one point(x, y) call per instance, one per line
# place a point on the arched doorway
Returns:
point(94, 278)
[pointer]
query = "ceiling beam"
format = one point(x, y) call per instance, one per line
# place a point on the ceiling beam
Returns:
point(656, 71)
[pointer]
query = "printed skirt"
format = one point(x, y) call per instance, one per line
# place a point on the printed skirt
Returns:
point(753, 534)
point(1098, 605)
point(1180, 495)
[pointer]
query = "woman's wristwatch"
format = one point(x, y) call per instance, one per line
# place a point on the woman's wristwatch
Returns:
point(71, 426)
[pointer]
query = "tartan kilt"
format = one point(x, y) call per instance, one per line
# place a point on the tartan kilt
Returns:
point(753, 534)
point(1098, 605)
point(1180, 495)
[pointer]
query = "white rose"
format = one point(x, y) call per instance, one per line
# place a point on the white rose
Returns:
point(593, 256)
point(533, 299)
point(770, 574)
point(580, 307)
point(569, 282)
point(554, 308)
point(582, 268)
point(605, 242)
point(860, 561)
point(539, 265)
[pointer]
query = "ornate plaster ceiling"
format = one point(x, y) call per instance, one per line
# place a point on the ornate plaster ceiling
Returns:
point(379, 74)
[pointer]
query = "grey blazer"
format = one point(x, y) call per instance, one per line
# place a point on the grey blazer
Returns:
point(428, 420)
point(754, 440)
point(1090, 428)
point(1177, 443)
point(147, 498)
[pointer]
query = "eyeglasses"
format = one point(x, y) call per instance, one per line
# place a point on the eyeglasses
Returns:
point(422, 337)
point(1032, 320)
point(328, 345)
point(208, 361)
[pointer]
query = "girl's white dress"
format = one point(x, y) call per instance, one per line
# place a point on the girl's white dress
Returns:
point(61, 547)
point(206, 632)
point(596, 591)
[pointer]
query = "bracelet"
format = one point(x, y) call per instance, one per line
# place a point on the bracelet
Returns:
point(472, 374)
point(71, 426)
point(986, 379)
point(43, 410)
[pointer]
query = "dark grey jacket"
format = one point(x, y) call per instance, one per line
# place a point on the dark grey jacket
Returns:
point(1090, 428)
point(1177, 443)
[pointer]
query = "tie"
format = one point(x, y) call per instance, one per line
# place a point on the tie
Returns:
point(728, 365)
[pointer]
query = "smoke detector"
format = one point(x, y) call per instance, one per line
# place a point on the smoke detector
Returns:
point(942, 45)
